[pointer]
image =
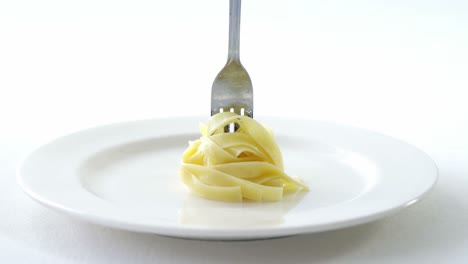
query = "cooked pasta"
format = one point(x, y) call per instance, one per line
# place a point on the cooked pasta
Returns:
point(245, 164)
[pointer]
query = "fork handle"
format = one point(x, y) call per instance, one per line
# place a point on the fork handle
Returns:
point(234, 30)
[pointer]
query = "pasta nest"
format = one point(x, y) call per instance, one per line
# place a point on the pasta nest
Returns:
point(245, 164)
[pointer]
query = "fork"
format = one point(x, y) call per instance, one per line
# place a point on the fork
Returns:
point(232, 88)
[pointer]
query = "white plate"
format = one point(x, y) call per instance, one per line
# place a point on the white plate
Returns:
point(126, 176)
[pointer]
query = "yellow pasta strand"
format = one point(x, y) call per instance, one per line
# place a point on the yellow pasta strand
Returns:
point(246, 164)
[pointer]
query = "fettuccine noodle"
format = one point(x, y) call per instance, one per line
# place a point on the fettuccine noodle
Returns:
point(246, 164)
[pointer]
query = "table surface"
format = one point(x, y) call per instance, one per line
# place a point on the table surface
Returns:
point(397, 67)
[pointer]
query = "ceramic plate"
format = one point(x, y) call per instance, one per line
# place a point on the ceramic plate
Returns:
point(126, 176)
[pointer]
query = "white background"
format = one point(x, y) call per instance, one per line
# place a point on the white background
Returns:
point(397, 67)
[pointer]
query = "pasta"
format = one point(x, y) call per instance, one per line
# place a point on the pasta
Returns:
point(245, 164)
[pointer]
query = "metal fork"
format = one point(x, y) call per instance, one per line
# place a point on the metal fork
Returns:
point(232, 88)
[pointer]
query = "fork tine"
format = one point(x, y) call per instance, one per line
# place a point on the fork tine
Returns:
point(242, 111)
